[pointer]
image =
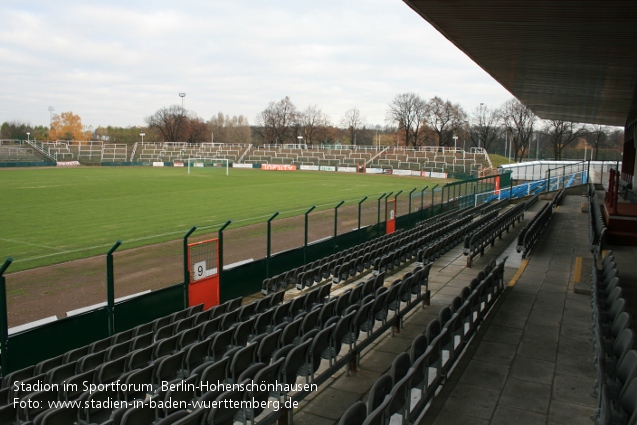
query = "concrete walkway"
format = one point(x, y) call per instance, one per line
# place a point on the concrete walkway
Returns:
point(532, 361)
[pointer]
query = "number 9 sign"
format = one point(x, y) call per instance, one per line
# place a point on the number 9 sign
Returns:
point(200, 270)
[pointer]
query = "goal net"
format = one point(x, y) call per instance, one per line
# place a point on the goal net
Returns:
point(199, 163)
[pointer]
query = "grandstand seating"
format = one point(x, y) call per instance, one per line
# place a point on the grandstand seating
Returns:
point(17, 151)
point(415, 378)
point(597, 228)
point(531, 232)
point(476, 243)
point(59, 150)
point(425, 242)
point(427, 158)
point(433, 159)
point(616, 361)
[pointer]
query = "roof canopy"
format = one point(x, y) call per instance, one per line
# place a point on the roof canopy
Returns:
point(568, 60)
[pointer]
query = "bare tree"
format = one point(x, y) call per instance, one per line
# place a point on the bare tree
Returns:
point(353, 122)
point(218, 128)
point(226, 129)
point(518, 121)
point(408, 111)
point(314, 124)
point(172, 123)
point(445, 119)
point(198, 131)
point(597, 136)
point(275, 123)
point(485, 127)
point(561, 134)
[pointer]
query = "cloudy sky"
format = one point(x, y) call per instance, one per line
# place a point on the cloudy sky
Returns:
point(116, 62)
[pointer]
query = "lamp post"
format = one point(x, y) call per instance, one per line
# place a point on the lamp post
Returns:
point(51, 109)
point(28, 136)
point(142, 134)
point(455, 146)
point(537, 145)
point(481, 122)
point(182, 95)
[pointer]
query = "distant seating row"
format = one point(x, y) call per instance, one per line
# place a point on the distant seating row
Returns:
point(455, 233)
point(344, 264)
point(377, 253)
point(477, 241)
point(534, 228)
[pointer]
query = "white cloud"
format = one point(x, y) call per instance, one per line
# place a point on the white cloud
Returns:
point(116, 62)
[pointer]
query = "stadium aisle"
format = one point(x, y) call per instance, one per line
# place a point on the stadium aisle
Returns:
point(448, 276)
point(531, 362)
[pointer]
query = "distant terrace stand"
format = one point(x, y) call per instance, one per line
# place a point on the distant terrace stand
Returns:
point(435, 159)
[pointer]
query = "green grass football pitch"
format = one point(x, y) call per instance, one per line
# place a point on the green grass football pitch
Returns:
point(52, 215)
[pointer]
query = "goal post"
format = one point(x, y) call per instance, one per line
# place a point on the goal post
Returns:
point(208, 162)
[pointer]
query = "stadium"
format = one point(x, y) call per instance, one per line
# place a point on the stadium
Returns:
point(354, 284)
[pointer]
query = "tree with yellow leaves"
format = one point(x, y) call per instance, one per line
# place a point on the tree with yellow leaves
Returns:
point(68, 126)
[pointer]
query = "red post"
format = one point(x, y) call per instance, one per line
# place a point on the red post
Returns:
point(616, 195)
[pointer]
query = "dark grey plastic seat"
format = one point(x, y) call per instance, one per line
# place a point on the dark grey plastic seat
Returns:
point(241, 361)
point(209, 328)
point(48, 364)
point(262, 324)
point(211, 374)
point(267, 346)
point(400, 401)
point(433, 329)
point(265, 376)
point(399, 367)
point(342, 327)
point(320, 342)
point(354, 415)
point(141, 341)
point(229, 319)
point(110, 371)
point(418, 347)
point(224, 415)
point(294, 360)
point(61, 416)
point(290, 333)
point(193, 418)
point(188, 337)
point(220, 343)
point(142, 415)
point(196, 355)
point(63, 372)
point(379, 391)
point(169, 368)
point(139, 358)
point(242, 332)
